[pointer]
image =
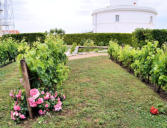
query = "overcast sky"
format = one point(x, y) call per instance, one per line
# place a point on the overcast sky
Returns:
point(71, 15)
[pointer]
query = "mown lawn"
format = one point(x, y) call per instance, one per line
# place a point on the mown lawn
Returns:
point(99, 93)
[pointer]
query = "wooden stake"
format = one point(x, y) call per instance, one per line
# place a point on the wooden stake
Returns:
point(26, 85)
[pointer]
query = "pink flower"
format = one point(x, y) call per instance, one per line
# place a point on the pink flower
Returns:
point(56, 94)
point(58, 106)
point(12, 116)
point(52, 98)
point(41, 112)
point(11, 94)
point(46, 105)
point(42, 92)
point(17, 108)
point(16, 113)
point(32, 102)
point(58, 99)
point(40, 101)
point(19, 94)
point(34, 93)
point(22, 116)
point(48, 94)
point(46, 97)
point(64, 97)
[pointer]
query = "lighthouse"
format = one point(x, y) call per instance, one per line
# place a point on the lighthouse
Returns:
point(123, 16)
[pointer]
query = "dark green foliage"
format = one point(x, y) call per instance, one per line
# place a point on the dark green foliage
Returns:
point(28, 37)
point(8, 51)
point(98, 38)
point(140, 36)
point(56, 31)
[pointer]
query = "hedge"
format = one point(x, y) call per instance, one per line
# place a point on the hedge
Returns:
point(139, 36)
point(28, 37)
point(98, 38)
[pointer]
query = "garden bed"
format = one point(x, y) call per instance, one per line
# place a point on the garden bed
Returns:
point(99, 94)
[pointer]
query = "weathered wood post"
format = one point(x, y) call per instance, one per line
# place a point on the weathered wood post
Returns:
point(26, 85)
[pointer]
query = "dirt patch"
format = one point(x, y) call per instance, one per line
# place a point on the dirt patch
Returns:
point(84, 80)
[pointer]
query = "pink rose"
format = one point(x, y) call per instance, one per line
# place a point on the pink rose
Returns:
point(64, 97)
point(58, 106)
point(12, 116)
point(56, 94)
point(58, 99)
point(22, 116)
point(17, 108)
point(59, 102)
point(34, 93)
point(41, 112)
point(42, 92)
point(48, 94)
point(19, 94)
point(11, 94)
point(16, 113)
point(46, 105)
point(40, 101)
point(52, 98)
point(46, 97)
point(32, 102)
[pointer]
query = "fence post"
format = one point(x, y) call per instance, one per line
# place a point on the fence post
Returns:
point(26, 85)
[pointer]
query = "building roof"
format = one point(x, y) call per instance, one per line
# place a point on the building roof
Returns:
point(125, 8)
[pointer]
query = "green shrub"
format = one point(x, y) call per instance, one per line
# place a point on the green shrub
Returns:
point(87, 43)
point(114, 50)
point(149, 63)
point(126, 55)
point(8, 51)
point(144, 60)
point(98, 38)
point(141, 36)
point(74, 45)
point(46, 63)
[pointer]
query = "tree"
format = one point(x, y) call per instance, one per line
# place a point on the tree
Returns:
point(56, 31)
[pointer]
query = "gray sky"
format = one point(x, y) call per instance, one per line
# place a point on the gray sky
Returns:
point(71, 15)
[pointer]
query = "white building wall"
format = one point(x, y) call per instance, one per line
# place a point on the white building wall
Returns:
point(122, 2)
point(128, 21)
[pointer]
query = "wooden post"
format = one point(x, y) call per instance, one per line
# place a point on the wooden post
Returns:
point(26, 85)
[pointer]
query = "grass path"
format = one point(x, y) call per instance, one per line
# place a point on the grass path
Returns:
point(9, 79)
point(100, 94)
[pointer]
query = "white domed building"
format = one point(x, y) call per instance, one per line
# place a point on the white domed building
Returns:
point(123, 16)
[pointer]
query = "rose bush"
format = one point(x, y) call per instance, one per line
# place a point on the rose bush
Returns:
point(40, 101)
point(43, 101)
point(19, 109)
